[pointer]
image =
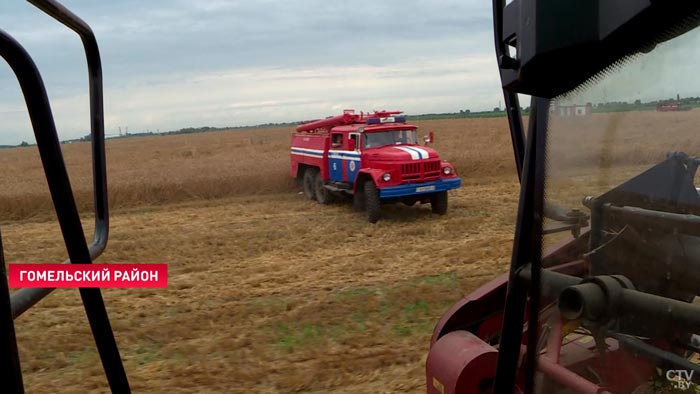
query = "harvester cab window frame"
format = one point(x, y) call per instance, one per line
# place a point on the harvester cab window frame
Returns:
point(67, 214)
point(624, 207)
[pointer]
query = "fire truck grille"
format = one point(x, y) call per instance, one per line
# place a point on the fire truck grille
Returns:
point(421, 170)
point(410, 169)
point(432, 166)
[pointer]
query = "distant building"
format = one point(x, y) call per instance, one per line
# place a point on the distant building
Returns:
point(671, 106)
point(571, 110)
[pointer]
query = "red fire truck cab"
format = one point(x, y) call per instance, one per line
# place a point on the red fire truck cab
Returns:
point(375, 158)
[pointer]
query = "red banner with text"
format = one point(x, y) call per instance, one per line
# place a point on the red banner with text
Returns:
point(88, 275)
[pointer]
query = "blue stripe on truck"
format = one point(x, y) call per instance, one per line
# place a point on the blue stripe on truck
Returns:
point(420, 188)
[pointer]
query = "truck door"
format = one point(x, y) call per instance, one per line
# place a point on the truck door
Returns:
point(335, 158)
point(352, 158)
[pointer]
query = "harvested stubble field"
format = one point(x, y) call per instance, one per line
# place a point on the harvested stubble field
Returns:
point(269, 292)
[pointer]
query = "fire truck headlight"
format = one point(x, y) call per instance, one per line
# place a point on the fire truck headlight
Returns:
point(447, 170)
point(386, 177)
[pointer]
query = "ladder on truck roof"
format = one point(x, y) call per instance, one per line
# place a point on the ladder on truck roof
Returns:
point(347, 118)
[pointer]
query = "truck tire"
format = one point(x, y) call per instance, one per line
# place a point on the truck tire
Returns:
point(358, 198)
point(309, 175)
point(438, 203)
point(323, 195)
point(372, 203)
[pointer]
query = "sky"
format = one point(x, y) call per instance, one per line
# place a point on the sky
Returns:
point(171, 64)
point(667, 71)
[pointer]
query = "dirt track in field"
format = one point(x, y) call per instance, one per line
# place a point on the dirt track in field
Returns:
point(272, 294)
point(268, 292)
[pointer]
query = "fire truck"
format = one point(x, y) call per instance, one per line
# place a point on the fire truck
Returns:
point(375, 158)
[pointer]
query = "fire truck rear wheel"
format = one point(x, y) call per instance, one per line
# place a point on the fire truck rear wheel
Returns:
point(323, 195)
point(372, 203)
point(309, 174)
point(438, 203)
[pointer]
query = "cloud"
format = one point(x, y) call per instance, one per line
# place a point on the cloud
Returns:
point(253, 95)
point(172, 64)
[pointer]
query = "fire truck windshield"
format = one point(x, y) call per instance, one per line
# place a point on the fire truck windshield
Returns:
point(391, 137)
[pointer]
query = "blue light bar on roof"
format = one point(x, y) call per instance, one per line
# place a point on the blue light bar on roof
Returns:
point(388, 119)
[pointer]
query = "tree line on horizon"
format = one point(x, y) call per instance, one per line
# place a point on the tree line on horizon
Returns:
point(610, 106)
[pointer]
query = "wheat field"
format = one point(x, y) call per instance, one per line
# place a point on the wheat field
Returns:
point(165, 169)
point(268, 292)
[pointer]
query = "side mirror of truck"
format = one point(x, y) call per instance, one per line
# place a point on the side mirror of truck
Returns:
point(351, 144)
point(429, 139)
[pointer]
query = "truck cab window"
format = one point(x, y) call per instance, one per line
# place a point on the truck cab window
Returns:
point(356, 138)
point(337, 140)
point(391, 137)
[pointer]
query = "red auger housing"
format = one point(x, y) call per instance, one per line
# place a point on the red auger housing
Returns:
point(373, 157)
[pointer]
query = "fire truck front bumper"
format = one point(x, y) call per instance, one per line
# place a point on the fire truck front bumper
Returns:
point(410, 189)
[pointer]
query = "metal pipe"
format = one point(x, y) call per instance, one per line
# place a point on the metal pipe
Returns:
point(682, 314)
point(682, 223)
point(568, 378)
point(585, 300)
point(24, 299)
point(553, 283)
point(604, 297)
point(658, 355)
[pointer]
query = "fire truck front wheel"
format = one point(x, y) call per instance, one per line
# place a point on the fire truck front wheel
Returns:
point(438, 203)
point(309, 175)
point(323, 195)
point(372, 203)
point(358, 199)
